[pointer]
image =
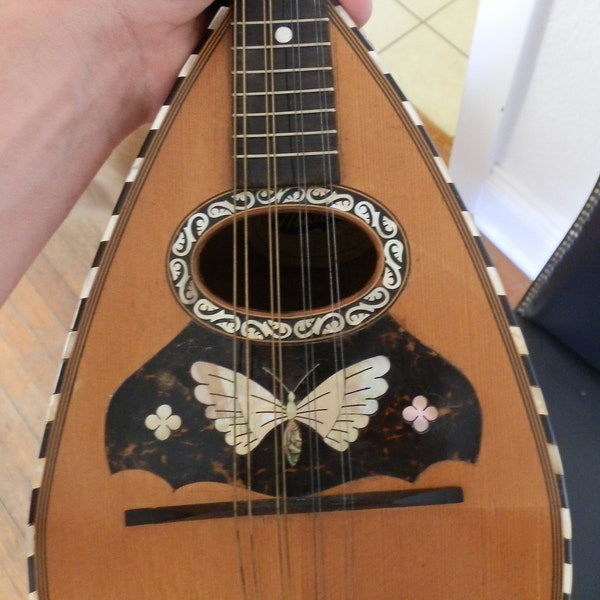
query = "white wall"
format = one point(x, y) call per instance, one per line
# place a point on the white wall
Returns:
point(527, 148)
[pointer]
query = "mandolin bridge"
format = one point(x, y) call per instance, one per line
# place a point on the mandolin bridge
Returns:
point(298, 505)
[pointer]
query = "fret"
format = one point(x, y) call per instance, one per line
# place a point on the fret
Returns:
point(286, 143)
point(285, 147)
point(284, 92)
point(291, 134)
point(284, 102)
point(257, 141)
point(273, 113)
point(287, 57)
point(282, 46)
point(266, 82)
point(283, 124)
point(280, 71)
point(287, 154)
point(286, 21)
point(281, 105)
point(280, 10)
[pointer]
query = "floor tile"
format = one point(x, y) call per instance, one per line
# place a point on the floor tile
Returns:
point(388, 22)
point(424, 8)
point(431, 73)
point(455, 22)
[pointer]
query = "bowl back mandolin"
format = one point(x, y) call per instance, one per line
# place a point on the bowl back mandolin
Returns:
point(292, 375)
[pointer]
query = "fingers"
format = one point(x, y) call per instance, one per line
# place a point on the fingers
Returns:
point(359, 10)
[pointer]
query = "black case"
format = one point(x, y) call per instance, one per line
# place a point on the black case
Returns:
point(565, 297)
point(562, 330)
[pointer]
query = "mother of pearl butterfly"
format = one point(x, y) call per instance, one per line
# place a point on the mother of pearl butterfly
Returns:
point(336, 409)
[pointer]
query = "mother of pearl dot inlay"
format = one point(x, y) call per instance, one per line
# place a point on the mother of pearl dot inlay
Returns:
point(283, 34)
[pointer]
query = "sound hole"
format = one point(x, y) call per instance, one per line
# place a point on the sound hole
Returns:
point(295, 261)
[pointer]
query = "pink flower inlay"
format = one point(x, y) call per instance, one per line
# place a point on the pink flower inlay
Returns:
point(420, 415)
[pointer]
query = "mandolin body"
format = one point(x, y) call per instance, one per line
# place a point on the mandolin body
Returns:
point(501, 537)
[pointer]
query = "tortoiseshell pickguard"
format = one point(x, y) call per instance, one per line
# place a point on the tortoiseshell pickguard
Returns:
point(192, 450)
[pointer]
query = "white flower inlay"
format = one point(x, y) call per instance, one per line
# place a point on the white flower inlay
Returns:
point(163, 423)
point(420, 415)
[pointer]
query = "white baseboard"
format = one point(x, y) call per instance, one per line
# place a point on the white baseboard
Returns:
point(517, 223)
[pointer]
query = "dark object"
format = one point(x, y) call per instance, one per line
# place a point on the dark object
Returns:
point(572, 391)
point(562, 309)
point(565, 297)
point(227, 510)
point(197, 452)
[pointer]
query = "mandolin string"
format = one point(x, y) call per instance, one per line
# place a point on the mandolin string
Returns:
point(315, 258)
point(304, 234)
point(275, 300)
point(237, 115)
point(322, 130)
point(292, 105)
point(247, 294)
point(325, 127)
point(247, 22)
point(327, 167)
point(300, 130)
point(335, 294)
point(337, 345)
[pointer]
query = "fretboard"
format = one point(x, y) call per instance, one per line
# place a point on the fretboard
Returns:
point(284, 111)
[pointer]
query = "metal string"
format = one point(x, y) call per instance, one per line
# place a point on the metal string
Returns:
point(235, 346)
point(334, 292)
point(337, 347)
point(275, 308)
point(275, 299)
point(240, 97)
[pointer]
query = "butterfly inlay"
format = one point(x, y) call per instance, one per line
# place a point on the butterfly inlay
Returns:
point(336, 409)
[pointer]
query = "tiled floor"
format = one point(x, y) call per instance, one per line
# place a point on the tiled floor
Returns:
point(425, 44)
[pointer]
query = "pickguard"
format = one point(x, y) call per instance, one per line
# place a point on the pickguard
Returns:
point(429, 413)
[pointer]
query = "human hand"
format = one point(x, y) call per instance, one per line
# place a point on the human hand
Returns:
point(165, 31)
point(77, 77)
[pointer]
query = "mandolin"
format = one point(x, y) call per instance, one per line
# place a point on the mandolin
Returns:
point(291, 374)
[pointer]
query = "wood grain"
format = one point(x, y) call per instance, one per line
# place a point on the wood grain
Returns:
point(448, 303)
point(33, 324)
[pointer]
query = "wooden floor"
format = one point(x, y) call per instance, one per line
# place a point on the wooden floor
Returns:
point(33, 326)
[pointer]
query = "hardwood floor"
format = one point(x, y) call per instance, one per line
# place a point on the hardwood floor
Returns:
point(33, 326)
